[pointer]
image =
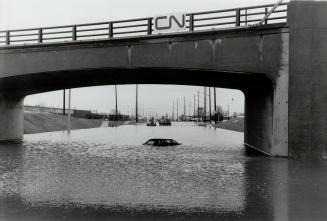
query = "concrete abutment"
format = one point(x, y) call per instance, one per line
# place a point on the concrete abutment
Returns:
point(266, 110)
point(308, 80)
point(11, 117)
point(258, 120)
point(266, 114)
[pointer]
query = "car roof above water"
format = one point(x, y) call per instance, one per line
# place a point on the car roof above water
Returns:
point(161, 141)
point(154, 139)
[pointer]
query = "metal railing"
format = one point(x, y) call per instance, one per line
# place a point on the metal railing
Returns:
point(209, 20)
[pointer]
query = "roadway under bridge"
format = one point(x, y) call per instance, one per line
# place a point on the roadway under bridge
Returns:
point(280, 68)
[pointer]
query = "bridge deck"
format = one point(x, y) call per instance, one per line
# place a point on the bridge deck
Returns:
point(198, 21)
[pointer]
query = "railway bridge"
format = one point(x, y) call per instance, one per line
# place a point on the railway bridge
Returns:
point(280, 65)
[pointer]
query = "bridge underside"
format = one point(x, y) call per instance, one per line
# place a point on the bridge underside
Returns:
point(24, 85)
point(258, 91)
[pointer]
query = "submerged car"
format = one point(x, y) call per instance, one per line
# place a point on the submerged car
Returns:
point(161, 142)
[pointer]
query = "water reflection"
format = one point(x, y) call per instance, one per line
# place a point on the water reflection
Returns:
point(107, 172)
point(266, 188)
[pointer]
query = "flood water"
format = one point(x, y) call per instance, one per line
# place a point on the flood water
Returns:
point(107, 174)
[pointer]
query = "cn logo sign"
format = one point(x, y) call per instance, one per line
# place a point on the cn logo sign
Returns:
point(169, 23)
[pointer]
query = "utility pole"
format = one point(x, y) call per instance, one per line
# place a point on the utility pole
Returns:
point(214, 102)
point(198, 105)
point(228, 111)
point(189, 109)
point(116, 118)
point(228, 107)
point(194, 107)
point(205, 104)
point(69, 105)
point(184, 109)
point(136, 106)
point(172, 119)
point(64, 103)
point(210, 105)
point(177, 110)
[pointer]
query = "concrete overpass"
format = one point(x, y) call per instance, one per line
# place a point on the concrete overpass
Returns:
point(280, 67)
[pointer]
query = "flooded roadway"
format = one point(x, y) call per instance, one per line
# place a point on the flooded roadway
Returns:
point(102, 173)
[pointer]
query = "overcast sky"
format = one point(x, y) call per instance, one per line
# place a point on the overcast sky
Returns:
point(152, 98)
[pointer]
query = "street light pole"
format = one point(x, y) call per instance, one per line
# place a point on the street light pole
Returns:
point(198, 105)
point(189, 109)
point(228, 111)
point(216, 114)
point(116, 118)
point(194, 107)
point(210, 105)
point(173, 116)
point(184, 110)
point(228, 106)
point(64, 103)
point(205, 104)
point(177, 109)
point(69, 107)
point(136, 106)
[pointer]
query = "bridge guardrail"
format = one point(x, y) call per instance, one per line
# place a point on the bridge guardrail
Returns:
point(209, 20)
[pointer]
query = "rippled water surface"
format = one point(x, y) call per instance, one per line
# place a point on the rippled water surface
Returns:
point(102, 173)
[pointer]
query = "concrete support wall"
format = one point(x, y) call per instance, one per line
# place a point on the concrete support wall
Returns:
point(11, 117)
point(308, 80)
point(266, 118)
point(280, 102)
point(258, 131)
point(266, 110)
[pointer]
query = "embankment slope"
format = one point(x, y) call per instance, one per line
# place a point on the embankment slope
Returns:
point(45, 122)
point(235, 124)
